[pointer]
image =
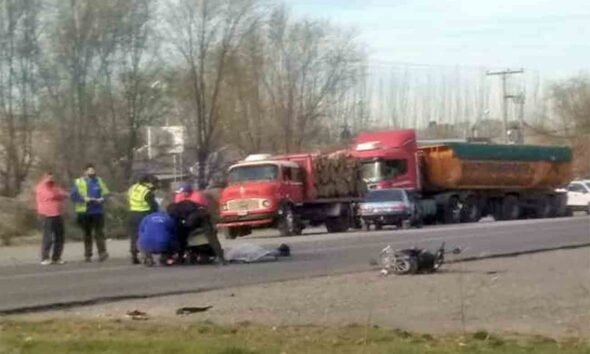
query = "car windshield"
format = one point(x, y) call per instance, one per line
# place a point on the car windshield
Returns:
point(381, 170)
point(253, 173)
point(386, 195)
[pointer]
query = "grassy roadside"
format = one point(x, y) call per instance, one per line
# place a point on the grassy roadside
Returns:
point(116, 336)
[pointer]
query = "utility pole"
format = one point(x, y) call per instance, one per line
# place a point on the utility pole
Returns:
point(505, 97)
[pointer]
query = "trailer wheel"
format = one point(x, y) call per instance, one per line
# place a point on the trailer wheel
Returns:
point(452, 211)
point(288, 223)
point(471, 211)
point(544, 208)
point(378, 226)
point(510, 208)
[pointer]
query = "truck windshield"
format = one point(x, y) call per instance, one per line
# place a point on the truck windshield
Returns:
point(385, 195)
point(253, 173)
point(381, 170)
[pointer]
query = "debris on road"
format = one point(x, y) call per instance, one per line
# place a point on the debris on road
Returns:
point(138, 315)
point(412, 260)
point(183, 311)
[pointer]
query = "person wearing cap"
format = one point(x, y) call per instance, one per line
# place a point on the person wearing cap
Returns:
point(142, 202)
point(50, 200)
point(187, 193)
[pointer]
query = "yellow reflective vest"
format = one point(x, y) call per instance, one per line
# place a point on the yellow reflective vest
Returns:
point(82, 187)
point(136, 195)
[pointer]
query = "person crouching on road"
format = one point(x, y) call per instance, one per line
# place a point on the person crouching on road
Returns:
point(190, 217)
point(89, 194)
point(142, 202)
point(50, 199)
point(157, 235)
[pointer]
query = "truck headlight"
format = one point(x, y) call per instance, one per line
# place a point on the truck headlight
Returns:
point(266, 203)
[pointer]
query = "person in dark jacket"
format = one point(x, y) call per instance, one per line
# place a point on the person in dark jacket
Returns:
point(89, 194)
point(157, 235)
point(142, 202)
point(189, 217)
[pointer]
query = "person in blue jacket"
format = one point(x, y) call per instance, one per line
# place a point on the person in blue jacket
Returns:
point(89, 194)
point(157, 235)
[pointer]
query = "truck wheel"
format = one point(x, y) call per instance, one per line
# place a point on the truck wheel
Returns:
point(510, 208)
point(288, 224)
point(337, 225)
point(231, 233)
point(452, 211)
point(378, 226)
point(470, 211)
point(544, 208)
point(587, 210)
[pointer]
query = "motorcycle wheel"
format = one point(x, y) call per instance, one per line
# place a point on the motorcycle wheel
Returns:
point(405, 265)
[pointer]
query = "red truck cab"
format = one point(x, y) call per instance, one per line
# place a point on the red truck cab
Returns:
point(257, 189)
point(389, 159)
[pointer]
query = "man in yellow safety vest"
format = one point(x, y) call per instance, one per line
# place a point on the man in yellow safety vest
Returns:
point(89, 194)
point(142, 202)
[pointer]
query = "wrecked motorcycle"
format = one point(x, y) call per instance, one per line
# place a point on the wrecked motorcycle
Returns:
point(412, 260)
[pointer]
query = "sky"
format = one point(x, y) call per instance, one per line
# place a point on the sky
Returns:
point(548, 36)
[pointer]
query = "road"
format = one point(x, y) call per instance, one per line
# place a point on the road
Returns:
point(32, 287)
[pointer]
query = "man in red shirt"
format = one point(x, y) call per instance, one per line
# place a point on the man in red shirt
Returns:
point(50, 199)
point(186, 192)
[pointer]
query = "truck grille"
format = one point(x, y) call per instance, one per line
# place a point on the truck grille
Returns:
point(244, 204)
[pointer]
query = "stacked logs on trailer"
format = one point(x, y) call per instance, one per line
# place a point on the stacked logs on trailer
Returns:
point(337, 174)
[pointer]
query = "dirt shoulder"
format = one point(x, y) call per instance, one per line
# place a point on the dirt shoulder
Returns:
point(545, 293)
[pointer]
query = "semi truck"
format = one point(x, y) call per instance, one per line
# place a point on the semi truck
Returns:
point(462, 182)
point(288, 192)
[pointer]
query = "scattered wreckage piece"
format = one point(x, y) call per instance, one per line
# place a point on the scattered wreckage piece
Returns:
point(412, 260)
point(189, 310)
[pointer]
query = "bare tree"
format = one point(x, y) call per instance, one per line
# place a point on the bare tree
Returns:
point(19, 53)
point(310, 65)
point(205, 33)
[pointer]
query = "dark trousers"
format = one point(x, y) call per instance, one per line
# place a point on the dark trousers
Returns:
point(53, 237)
point(135, 218)
point(93, 224)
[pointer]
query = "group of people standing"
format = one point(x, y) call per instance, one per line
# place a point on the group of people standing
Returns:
point(150, 231)
point(88, 195)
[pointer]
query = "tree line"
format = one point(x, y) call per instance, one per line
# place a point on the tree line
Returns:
point(79, 79)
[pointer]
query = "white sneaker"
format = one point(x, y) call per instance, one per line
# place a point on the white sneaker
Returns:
point(59, 262)
point(46, 262)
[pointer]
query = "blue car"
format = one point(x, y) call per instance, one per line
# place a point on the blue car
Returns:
point(394, 206)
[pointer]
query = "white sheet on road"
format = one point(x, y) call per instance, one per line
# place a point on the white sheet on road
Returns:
point(249, 253)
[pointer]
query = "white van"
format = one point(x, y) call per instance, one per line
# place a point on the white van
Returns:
point(578, 195)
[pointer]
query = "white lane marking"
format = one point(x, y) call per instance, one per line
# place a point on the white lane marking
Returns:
point(65, 272)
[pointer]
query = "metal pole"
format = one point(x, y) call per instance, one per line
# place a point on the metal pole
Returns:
point(505, 97)
point(149, 142)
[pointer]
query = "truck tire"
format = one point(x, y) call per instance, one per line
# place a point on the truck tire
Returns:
point(288, 224)
point(544, 208)
point(587, 209)
point(340, 223)
point(471, 211)
point(231, 233)
point(451, 212)
point(510, 208)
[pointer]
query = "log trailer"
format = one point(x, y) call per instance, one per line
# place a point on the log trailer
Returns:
point(463, 182)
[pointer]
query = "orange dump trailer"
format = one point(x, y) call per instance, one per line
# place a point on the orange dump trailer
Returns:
point(490, 167)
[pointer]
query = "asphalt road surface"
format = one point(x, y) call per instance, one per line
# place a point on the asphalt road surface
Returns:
point(32, 287)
